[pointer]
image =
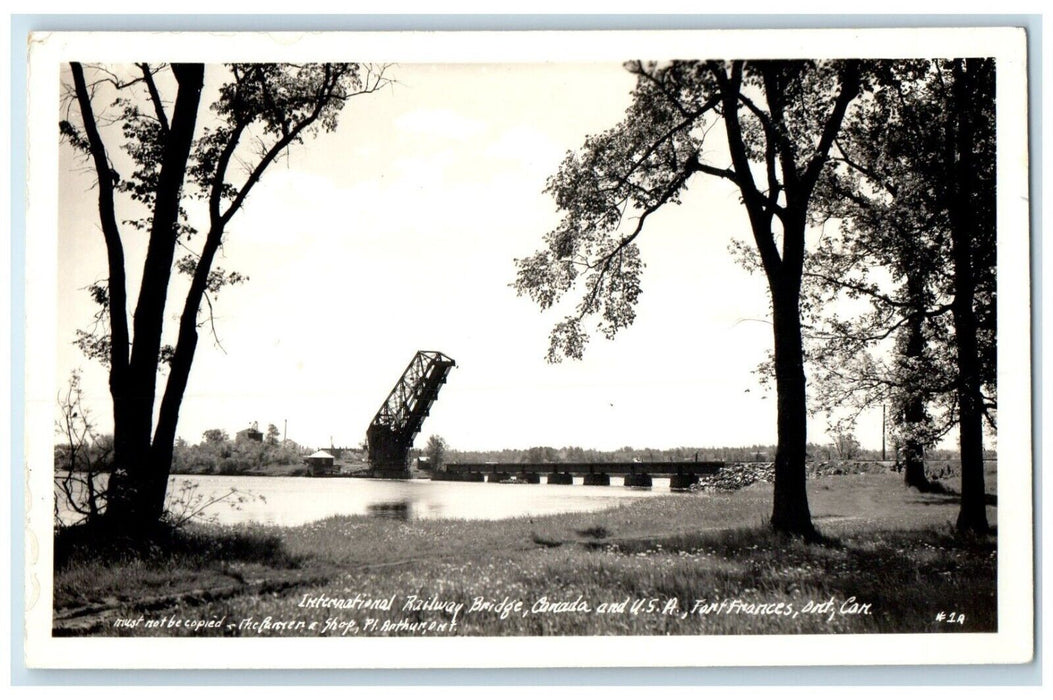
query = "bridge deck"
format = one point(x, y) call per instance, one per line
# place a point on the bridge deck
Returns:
point(582, 468)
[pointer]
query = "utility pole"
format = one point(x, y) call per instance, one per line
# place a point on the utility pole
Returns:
point(285, 429)
point(882, 432)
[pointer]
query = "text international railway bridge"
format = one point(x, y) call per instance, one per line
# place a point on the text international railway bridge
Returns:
point(681, 474)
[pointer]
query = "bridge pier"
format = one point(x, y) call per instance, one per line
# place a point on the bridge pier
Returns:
point(639, 480)
point(389, 473)
point(682, 482)
point(529, 477)
point(560, 478)
point(597, 480)
point(497, 477)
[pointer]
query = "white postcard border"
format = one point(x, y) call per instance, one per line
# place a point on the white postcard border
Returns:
point(1013, 642)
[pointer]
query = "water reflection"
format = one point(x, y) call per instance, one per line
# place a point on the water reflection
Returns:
point(396, 510)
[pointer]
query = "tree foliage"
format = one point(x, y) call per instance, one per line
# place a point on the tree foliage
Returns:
point(215, 436)
point(217, 453)
point(894, 190)
point(894, 218)
point(435, 452)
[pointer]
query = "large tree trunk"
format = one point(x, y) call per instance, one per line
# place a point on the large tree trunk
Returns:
point(137, 489)
point(973, 513)
point(790, 512)
point(117, 309)
point(914, 450)
point(182, 360)
point(964, 205)
point(913, 407)
point(178, 378)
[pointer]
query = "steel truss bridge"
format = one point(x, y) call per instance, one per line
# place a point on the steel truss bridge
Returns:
point(390, 436)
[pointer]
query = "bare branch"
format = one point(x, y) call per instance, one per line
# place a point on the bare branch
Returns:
point(155, 98)
point(212, 323)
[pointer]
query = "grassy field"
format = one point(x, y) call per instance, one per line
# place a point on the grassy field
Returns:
point(678, 564)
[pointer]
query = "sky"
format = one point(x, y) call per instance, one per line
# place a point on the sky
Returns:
point(398, 232)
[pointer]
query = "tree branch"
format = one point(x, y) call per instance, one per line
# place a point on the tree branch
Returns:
point(212, 323)
point(775, 127)
point(605, 262)
point(664, 138)
point(868, 172)
point(324, 94)
point(119, 346)
point(760, 216)
point(850, 84)
point(155, 98)
point(639, 70)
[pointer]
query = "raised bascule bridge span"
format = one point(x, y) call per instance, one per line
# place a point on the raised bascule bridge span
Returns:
point(390, 435)
point(681, 475)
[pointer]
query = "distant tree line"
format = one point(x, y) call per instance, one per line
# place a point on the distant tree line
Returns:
point(841, 449)
point(217, 453)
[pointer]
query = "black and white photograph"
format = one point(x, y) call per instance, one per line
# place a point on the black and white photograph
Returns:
point(529, 349)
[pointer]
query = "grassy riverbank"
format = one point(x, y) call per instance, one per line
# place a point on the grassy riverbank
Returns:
point(890, 549)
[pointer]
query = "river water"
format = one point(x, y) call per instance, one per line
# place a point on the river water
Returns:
point(298, 500)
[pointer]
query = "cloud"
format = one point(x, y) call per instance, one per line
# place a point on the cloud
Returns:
point(441, 123)
point(526, 145)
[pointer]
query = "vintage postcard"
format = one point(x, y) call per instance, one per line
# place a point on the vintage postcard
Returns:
point(528, 349)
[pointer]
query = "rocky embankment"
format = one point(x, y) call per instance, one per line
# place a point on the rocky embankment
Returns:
point(737, 475)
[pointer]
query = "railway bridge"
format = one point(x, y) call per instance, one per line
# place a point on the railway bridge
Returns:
point(681, 474)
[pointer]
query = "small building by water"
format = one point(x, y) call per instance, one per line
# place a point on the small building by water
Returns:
point(321, 463)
